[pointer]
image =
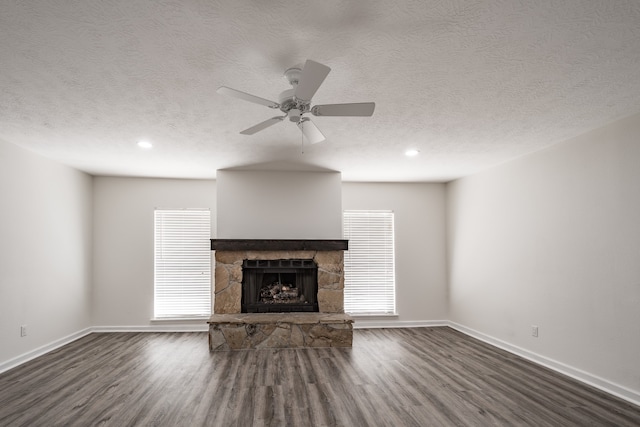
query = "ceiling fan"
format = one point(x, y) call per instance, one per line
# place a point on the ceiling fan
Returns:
point(296, 102)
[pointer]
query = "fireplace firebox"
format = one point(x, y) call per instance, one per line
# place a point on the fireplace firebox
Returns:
point(279, 286)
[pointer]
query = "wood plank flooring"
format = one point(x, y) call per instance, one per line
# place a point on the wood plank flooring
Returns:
point(391, 377)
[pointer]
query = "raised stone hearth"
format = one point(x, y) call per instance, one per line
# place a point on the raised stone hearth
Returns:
point(279, 330)
point(229, 329)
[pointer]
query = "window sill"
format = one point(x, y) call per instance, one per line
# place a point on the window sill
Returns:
point(368, 316)
point(178, 319)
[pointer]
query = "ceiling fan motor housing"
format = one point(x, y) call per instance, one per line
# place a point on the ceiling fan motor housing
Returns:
point(288, 102)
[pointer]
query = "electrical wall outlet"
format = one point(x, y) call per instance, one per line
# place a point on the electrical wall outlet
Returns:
point(534, 331)
point(23, 330)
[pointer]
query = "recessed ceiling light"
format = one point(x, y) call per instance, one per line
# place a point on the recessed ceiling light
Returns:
point(144, 144)
point(411, 153)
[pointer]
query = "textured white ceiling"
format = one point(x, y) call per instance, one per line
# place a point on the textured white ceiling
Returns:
point(470, 84)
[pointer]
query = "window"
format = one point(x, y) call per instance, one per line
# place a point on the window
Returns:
point(182, 268)
point(369, 266)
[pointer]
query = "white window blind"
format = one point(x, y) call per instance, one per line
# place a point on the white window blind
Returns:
point(369, 264)
point(182, 283)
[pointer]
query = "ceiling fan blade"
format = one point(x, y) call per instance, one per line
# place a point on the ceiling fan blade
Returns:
point(263, 125)
point(223, 90)
point(310, 131)
point(313, 74)
point(361, 109)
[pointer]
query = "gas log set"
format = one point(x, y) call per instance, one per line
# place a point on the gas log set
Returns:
point(280, 293)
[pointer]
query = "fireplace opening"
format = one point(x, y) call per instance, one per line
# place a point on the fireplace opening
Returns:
point(279, 286)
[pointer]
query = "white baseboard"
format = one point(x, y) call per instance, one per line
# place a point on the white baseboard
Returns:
point(607, 386)
point(364, 323)
point(30, 355)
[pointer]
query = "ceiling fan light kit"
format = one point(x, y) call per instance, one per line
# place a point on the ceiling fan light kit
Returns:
point(296, 102)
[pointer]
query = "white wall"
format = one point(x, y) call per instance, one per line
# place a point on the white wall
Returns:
point(279, 205)
point(123, 242)
point(45, 251)
point(553, 240)
point(420, 239)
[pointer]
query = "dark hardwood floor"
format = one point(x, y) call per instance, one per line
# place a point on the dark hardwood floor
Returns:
point(391, 377)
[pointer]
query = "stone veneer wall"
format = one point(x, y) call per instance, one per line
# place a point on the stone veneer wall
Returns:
point(279, 330)
point(228, 277)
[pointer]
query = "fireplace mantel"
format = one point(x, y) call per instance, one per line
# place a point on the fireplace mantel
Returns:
point(278, 245)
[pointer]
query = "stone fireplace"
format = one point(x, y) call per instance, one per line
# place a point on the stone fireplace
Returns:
point(302, 287)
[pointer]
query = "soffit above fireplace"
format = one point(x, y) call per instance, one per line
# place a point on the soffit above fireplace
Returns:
point(278, 245)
